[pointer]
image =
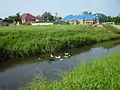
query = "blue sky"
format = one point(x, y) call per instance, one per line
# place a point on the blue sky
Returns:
point(63, 7)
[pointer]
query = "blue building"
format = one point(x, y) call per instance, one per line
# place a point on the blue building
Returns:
point(89, 19)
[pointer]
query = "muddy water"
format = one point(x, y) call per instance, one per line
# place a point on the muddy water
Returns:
point(16, 73)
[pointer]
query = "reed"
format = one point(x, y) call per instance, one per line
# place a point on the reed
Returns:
point(99, 75)
point(21, 41)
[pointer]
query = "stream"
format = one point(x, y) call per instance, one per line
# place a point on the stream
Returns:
point(15, 74)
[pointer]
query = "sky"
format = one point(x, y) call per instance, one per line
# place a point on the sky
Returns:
point(62, 7)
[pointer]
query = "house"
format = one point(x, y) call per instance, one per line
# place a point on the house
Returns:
point(29, 18)
point(1, 22)
point(81, 19)
point(4, 23)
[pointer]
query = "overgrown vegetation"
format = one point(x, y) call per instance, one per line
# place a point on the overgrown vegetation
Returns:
point(32, 40)
point(99, 75)
point(116, 19)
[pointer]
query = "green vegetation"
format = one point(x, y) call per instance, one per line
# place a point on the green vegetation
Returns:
point(48, 17)
point(11, 19)
point(113, 19)
point(99, 75)
point(32, 40)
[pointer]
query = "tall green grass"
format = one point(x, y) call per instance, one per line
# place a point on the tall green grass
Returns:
point(32, 40)
point(99, 75)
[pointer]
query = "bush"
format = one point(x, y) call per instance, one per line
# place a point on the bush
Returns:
point(66, 23)
point(99, 75)
point(31, 40)
point(27, 23)
point(111, 28)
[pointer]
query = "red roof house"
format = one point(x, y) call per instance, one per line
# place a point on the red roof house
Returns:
point(29, 18)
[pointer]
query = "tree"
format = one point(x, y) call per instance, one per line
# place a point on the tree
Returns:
point(57, 18)
point(116, 20)
point(11, 19)
point(1, 19)
point(38, 16)
point(109, 19)
point(47, 17)
point(18, 17)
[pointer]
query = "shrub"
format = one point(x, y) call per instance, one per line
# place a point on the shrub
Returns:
point(31, 40)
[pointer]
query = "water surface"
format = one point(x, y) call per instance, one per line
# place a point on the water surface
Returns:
point(16, 73)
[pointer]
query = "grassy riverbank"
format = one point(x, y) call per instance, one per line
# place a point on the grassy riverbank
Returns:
point(32, 40)
point(99, 75)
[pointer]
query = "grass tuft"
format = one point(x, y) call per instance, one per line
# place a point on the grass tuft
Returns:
point(99, 75)
point(32, 40)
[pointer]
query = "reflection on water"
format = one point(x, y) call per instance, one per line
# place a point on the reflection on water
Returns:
point(15, 73)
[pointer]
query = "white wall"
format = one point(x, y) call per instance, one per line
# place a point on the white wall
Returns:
point(112, 23)
point(42, 24)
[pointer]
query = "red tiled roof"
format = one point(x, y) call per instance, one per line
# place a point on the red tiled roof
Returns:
point(29, 17)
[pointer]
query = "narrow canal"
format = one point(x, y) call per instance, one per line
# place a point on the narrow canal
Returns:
point(16, 73)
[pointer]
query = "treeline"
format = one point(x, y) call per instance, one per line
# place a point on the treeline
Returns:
point(112, 19)
point(13, 19)
point(48, 17)
point(45, 17)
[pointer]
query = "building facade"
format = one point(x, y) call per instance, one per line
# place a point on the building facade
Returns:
point(81, 19)
point(29, 18)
